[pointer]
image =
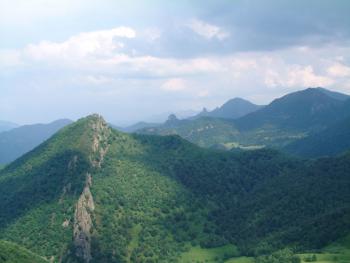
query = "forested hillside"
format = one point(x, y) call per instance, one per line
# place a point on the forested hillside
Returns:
point(12, 253)
point(285, 120)
point(329, 142)
point(94, 194)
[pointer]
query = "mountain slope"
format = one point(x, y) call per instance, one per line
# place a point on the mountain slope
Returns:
point(93, 194)
point(308, 109)
point(204, 131)
point(334, 94)
point(12, 253)
point(332, 141)
point(283, 121)
point(139, 126)
point(232, 109)
point(6, 125)
point(20, 140)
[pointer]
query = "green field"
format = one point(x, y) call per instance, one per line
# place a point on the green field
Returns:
point(339, 252)
point(240, 260)
point(208, 255)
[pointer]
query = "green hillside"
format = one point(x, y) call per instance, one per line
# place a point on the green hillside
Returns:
point(93, 194)
point(276, 125)
point(285, 120)
point(329, 142)
point(204, 131)
point(12, 253)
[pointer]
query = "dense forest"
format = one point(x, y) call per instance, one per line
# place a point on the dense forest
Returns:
point(94, 194)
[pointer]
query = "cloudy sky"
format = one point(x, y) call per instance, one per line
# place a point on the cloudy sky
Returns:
point(129, 60)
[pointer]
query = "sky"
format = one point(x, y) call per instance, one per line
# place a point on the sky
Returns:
point(141, 60)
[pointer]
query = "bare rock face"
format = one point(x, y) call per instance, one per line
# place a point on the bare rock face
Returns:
point(83, 223)
point(101, 133)
point(84, 208)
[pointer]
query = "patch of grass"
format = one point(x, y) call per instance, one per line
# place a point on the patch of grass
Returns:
point(338, 252)
point(219, 254)
point(135, 232)
point(236, 145)
point(240, 260)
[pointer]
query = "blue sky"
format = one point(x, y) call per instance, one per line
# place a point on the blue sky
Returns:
point(131, 60)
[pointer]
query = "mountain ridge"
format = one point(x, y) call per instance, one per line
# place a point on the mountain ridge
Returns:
point(94, 194)
point(7, 125)
point(284, 120)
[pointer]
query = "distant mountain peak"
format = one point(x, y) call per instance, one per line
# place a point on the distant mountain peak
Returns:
point(310, 109)
point(333, 94)
point(232, 109)
point(172, 117)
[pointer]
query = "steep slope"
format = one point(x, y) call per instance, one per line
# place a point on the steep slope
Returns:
point(45, 194)
point(232, 109)
point(6, 125)
point(18, 141)
point(12, 253)
point(92, 194)
point(332, 141)
point(334, 94)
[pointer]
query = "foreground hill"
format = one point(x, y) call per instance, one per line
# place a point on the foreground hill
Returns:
point(283, 121)
point(20, 140)
point(232, 109)
point(93, 194)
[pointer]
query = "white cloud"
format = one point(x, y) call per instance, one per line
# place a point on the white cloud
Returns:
point(207, 30)
point(152, 34)
point(272, 78)
point(94, 80)
point(96, 43)
point(175, 84)
point(339, 70)
point(295, 76)
point(305, 76)
point(101, 52)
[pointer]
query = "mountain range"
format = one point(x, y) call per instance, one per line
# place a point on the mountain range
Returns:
point(285, 120)
point(6, 125)
point(93, 194)
point(293, 123)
